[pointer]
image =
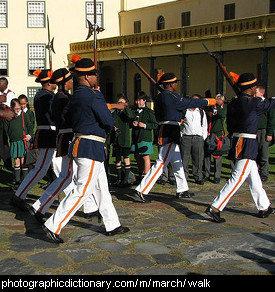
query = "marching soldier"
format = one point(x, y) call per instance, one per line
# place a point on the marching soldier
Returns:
point(91, 121)
point(243, 115)
point(45, 136)
point(63, 166)
point(168, 108)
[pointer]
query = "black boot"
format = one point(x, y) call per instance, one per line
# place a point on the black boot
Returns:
point(119, 175)
point(125, 181)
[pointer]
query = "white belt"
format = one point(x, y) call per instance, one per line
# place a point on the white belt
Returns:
point(48, 127)
point(90, 137)
point(245, 135)
point(169, 123)
point(63, 131)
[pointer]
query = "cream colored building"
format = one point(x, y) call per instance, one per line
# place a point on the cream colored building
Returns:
point(161, 35)
point(24, 34)
point(168, 37)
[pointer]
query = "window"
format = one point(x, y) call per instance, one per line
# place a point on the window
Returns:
point(31, 92)
point(37, 57)
point(229, 11)
point(160, 23)
point(90, 13)
point(4, 59)
point(36, 14)
point(137, 26)
point(185, 18)
point(3, 14)
point(272, 6)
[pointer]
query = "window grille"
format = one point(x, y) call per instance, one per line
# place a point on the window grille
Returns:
point(37, 57)
point(36, 14)
point(3, 59)
point(3, 13)
point(99, 13)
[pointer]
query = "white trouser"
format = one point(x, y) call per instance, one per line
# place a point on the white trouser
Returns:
point(64, 178)
point(91, 176)
point(65, 171)
point(37, 173)
point(243, 169)
point(58, 167)
point(167, 153)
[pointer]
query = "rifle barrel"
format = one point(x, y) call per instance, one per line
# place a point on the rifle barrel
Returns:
point(148, 76)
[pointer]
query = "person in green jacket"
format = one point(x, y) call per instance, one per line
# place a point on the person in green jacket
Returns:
point(121, 141)
point(216, 117)
point(264, 136)
point(19, 132)
point(142, 134)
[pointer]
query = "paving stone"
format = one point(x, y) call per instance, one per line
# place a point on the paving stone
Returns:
point(93, 267)
point(222, 270)
point(12, 266)
point(151, 248)
point(79, 254)
point(259, 267)
point(230, 249)
point(113, 247)
point(97, 233)
point(147, 235)
point(48, 259)
point(21, 242)
point(164, 271)
point(166, 237)
point(131, 261)
point(166, 259)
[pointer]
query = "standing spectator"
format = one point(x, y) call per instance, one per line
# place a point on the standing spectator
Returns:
point(216, 117)
point(122, 141)
point(24, 102)
point(6, 95)
point(264, 136)
point(19, 132)
point(194, 133)
point(142, 134)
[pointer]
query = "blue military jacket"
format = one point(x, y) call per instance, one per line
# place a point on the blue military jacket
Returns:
point(168, 108)
point(63, 121)
point(45, 138)
point(243, 116)
point(90, 116)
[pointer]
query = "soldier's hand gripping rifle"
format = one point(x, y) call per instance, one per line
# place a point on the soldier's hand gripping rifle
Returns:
point(147, 75)
point(224, 71)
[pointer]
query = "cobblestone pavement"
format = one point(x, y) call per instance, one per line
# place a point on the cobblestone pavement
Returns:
point(166, 237)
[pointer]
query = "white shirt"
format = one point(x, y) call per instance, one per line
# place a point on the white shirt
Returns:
point(192, 123)
point(9, 96)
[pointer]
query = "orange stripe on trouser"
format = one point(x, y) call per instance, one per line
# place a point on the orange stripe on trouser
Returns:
point(41, 167)
point(75, 148)
point(236, 185)
point(161, 165)
point(60, 186)
point(77, 202)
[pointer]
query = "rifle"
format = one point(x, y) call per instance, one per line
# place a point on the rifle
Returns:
point(224, 71)
point(147, 75)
